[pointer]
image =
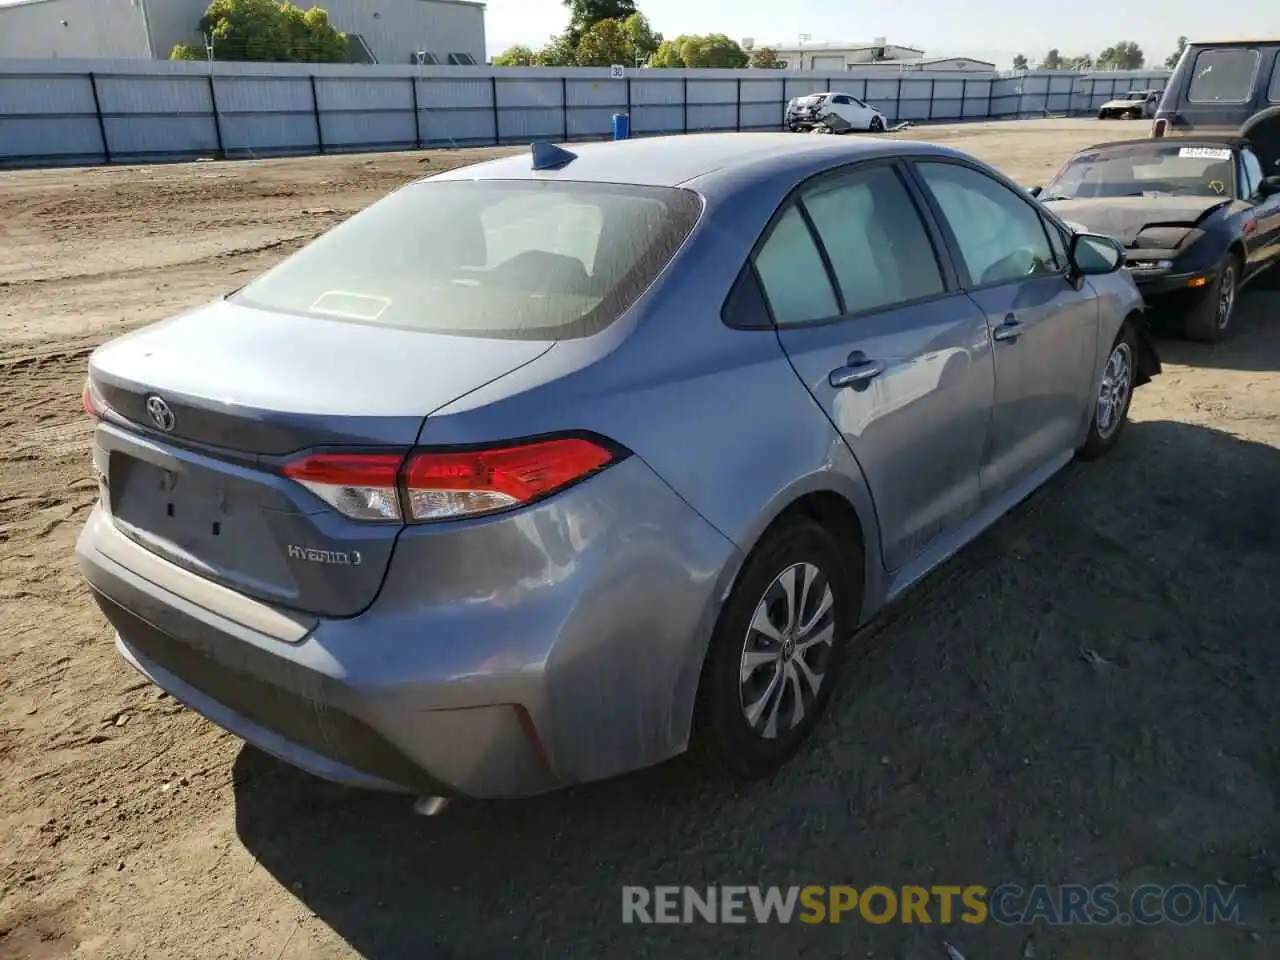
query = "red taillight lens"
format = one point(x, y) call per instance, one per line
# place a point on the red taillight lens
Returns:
point(1158, 127)
point(360, 486)
point(447, 484)
point(90, 402)
point(443, 485)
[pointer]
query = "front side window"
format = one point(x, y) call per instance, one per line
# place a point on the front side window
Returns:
point(874, 237)
point(1150, 168)
point(1250, 174)
point(1001, 237)
point(510, 259)
point(793, 275)
point(1223, 76)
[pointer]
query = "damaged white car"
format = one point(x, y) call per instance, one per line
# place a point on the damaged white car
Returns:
point(832, 113)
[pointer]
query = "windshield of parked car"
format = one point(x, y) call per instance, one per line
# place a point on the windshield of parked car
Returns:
point(1146, 170)
point(512, 259)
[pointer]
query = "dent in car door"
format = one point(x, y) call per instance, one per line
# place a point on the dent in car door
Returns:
point(1043, 326)
point(900, 364)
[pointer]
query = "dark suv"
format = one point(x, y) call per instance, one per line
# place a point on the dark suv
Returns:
point(1230, 88)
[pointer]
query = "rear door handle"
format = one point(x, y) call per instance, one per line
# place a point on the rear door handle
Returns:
point(1010, 330)
point(858, 369)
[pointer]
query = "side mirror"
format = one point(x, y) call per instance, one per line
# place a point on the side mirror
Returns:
point(1269, 186)
point(1035, 191)
point(1093, 255)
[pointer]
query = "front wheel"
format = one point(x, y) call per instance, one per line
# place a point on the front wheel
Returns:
point(1209, 320)
point(1114, 394)
point(1102, 114)
point(876, 125)
point(772, 661)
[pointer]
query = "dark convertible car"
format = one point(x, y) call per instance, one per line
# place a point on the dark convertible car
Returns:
point(1198, 220)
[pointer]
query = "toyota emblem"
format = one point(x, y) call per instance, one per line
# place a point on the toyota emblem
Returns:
point(160, 413)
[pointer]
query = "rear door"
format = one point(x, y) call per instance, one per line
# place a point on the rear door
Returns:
point(896, 356)
point(1043, 326)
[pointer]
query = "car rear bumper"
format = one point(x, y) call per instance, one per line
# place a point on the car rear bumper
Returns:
point(559, 644)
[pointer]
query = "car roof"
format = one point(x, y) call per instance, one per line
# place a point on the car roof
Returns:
point(1266, 41)
point(673, 161)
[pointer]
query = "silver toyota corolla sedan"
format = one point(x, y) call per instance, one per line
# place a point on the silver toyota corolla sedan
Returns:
point(542, 470)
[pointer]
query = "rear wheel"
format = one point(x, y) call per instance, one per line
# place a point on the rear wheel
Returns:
point(772, 662)
point(1134, 115)
point(876, 125)
point(1208, 321)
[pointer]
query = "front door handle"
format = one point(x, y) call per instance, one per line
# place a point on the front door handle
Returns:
point(1010, 330)
point(858, 369)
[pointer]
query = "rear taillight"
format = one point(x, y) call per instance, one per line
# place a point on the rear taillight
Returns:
point(360, 486)
point(432, 485)
point(1158, 127)
point(90, 402)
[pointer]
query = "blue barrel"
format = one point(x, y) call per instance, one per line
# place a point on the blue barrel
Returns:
point(622, 126)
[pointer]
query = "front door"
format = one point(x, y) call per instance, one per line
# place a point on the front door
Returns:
point(1263, 236)
point(1042, 325)
point(898, 359)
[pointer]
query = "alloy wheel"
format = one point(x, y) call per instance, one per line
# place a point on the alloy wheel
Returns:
point(1226, 295)
point(1113, 394)
point(787, 650)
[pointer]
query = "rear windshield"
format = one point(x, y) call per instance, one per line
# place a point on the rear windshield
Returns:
point(1223, 76)
point(1155, 168)
point(511, 259)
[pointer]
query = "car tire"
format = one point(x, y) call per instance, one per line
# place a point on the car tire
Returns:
point(876, 125)
point(1209, 321)
point(1133, 115)
point(1102, 114)
point(783, 625)
point(1112, 396)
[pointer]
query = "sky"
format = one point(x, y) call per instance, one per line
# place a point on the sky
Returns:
point(993, 30)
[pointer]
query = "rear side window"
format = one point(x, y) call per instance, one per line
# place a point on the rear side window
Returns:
point(875, 239)
point(1273, 91)
point(508, 259)
point(793, 275)
point(1223, 76)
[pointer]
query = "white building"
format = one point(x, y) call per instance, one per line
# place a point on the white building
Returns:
point(385, 31)
point(835, 54)
point(931, 63)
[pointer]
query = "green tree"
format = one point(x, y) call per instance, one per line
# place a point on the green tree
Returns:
point(1125, 55)
point(267, 30)
point(517, 56)
point(1020, 62)
point(560, 52)
point(603, 43)
point(667, 56)
point(1052, 61)
point(711, 50)
point(1171, 61)
point(765, 58)
point(188, 51)
point(644, 39)
point(583, 13)
point(1082, 62)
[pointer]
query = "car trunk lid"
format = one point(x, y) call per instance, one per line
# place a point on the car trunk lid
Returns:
point(205, 412)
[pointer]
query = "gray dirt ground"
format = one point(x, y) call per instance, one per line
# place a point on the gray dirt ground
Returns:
point(973, 743)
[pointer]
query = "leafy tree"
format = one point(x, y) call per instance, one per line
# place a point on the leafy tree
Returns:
point(667, 56)
point(584, 13)
point(1052, 60)
point(644, 39)
point(1082, 62)
point(517, 56)
point(1172, 60)
point(560, 52)
point(765, 58)
point(603, 43)
point(690, 50)
point(267, 30)
point(188, 51)
point(1020, 62)
point(1125, 55)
